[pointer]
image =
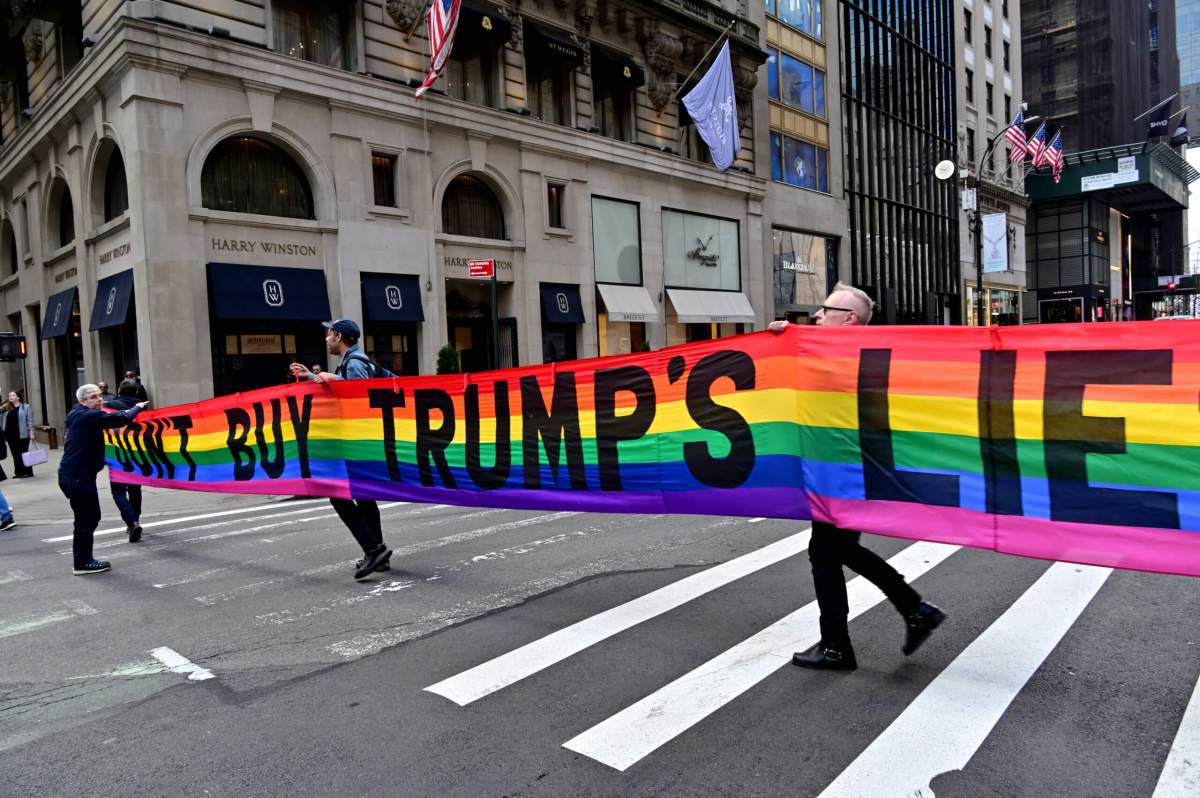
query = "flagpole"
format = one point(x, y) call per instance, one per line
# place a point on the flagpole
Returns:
point(416, 23)
point(700, 63)
point(1156, 106)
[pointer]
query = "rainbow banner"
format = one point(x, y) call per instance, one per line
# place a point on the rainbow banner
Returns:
point(1068, 442)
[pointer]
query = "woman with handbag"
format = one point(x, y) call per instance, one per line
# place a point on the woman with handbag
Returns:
point(18, 432)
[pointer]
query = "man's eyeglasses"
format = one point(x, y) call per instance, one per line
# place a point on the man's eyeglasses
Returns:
point(827, 308)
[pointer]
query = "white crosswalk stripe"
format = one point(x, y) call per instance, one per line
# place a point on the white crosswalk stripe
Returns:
point(623, 739)
point(956, 712)
point(510, 668)
point(1180, 776)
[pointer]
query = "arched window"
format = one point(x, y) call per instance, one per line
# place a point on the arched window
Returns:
point(249, 175)
point(8, 249)
point(64, 218)
point(116, 192)
point(469, 208)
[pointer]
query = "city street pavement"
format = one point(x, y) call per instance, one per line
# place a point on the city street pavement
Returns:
point(565, 654)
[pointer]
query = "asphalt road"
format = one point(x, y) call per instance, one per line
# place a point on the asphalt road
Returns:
point(565, 654)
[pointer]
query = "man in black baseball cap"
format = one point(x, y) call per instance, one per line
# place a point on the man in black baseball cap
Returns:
point(361, 517)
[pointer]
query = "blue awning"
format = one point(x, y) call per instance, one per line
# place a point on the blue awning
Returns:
point(267, 292)
point(57, 320)
point(561, 303)
point(112, 301)
point(392, 297)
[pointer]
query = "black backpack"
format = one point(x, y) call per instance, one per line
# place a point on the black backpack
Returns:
point(377, 370)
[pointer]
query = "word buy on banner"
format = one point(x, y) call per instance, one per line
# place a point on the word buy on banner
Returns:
point(1067, 442)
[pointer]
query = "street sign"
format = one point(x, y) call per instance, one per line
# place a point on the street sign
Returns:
point(968, 199)
point(481, 268)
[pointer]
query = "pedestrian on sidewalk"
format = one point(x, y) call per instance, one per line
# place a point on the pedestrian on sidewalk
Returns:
point(82, 460)
point(6, 516)
point(132, 376)
point(17, 423)
point(128, 498)
point(106, 395)
point(360, 516)
point(832, 547)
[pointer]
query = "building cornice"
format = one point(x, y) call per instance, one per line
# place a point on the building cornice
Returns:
point(134, 44)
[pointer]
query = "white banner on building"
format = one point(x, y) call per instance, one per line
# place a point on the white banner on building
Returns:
point(995, 242)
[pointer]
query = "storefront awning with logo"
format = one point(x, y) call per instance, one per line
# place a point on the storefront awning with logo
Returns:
point(617, 66)
point(112, 301)
point(392, 297)
point(59, 308)
point(478, 14)
point(268, 292)
point(556, 41)
point(561, 304)
point(628, 302)
point(702, 307)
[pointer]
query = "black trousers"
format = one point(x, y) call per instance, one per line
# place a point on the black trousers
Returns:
point(128, 499)
point(830, 549)
point(85, 504)
point(18, 447)
point(362, 519)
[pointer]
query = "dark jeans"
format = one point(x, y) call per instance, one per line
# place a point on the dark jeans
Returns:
point(85, 503)
point(362, 519)
point(830, 549)
point(129, 502)
point(18, 447)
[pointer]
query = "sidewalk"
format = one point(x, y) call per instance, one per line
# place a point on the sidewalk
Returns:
point(37, 501)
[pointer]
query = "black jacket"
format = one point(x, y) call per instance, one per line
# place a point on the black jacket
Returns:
point(83, 453)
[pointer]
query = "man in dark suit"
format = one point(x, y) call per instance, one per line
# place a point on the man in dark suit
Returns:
point(832, 547)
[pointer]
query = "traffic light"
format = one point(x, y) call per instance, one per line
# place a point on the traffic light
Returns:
point(12, 347)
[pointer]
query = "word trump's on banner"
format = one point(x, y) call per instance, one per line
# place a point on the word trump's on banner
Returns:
point(1066, 442)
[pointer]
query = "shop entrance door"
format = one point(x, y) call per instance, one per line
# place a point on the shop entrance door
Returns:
point(472, 338)
point(1061, 311)
point(257, 353)
point(469, 324)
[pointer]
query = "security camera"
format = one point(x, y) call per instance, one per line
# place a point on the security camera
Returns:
point(27, 113)
point(218, 31)
point(91, 40)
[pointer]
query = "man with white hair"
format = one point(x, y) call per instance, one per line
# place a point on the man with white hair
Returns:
point(831, 547)
point(82, 460)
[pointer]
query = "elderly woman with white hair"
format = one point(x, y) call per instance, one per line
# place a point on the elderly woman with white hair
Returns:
point(83, 459)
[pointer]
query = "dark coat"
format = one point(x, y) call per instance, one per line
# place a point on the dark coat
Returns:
point(83, 453)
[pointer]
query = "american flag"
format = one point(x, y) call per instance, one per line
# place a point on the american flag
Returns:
point(1016, 137)
point(1037, 147)
point(1054, 155)
point(443, 19)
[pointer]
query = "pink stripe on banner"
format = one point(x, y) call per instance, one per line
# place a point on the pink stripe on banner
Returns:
point(1164, 551)
point(337, 488)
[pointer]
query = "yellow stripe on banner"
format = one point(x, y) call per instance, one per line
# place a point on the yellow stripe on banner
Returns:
point(944, 415)
point(1167, 424)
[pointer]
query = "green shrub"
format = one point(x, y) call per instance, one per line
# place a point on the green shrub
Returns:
point(447, 360)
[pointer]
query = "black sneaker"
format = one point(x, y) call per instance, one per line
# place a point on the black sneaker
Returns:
point(135, 533)
point(919, 625)
point(383, 566)
point(370, 563)
point(7, 524)
point(93, 567)
point(826, 658)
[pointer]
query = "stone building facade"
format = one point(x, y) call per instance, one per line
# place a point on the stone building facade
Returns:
point(194, 188)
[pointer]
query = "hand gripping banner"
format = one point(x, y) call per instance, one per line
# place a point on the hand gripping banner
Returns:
point(1069, 442)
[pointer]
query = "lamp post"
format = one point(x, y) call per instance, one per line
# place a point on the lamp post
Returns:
point(943, 172)
point(977, 219)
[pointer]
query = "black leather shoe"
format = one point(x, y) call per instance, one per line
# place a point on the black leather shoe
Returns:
point(920, 625)
point(372, 562)
point(135, 533)
point(822, 657)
